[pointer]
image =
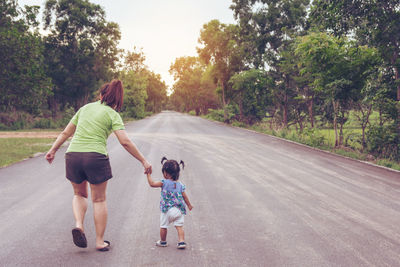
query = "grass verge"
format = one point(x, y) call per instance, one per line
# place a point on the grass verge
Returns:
point(322, 139)
point(17, 149)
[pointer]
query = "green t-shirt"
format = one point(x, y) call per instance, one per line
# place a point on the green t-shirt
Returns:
point(94, 123)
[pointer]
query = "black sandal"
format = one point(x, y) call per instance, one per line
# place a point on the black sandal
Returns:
point(79, 237)
point(106, 248)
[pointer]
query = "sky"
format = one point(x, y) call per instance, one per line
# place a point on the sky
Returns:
point(164, 29)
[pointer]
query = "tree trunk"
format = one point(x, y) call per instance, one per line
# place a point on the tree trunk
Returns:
point(241, 107)
point(224, 102)
point(341, 134)
point(364, 126)
point(398, 86)
point(52, 103)
point(398, 98)
point(396, 72)
point(397, 78)
point(285, 110)
point(335, 108)
point(310, 104)
point(300, 122)
point(272, 120)
point(380, 117)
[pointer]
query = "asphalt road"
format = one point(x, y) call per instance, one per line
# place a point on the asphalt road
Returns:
point(258, 201)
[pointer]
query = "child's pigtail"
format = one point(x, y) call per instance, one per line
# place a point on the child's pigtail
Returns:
point(183, 164)
point(162, 160)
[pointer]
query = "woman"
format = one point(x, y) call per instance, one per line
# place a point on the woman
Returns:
point(87, 160)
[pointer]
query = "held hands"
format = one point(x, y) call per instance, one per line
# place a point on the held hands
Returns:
point(147, 167)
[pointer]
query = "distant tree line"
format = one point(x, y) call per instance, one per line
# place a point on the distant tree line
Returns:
point(296, 63)
point(44, 73)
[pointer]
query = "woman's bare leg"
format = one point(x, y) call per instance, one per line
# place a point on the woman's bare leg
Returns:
point(79, 203)
point(100, 211)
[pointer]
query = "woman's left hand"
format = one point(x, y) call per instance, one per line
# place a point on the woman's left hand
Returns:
point(147, 167)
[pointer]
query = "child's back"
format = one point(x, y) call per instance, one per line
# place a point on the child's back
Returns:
point(171, 196)
point(172, 201)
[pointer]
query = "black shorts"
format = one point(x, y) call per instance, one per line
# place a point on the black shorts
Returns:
point(90, 166)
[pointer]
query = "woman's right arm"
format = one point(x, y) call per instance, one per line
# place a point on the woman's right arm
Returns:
point(62, 137)
point(132, 149)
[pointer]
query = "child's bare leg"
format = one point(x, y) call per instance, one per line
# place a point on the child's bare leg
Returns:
point(181, 233)
point(163, 234)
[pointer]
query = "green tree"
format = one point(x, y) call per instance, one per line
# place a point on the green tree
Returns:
point(156, 91)
point(134, 78)
point(267, 28)
point(208, 97)
point(81, 49)
point(376, 23)
point(252, 93)
point(193, 89)
point(24, 85)
point(326, 57)
point(366, 79)
point(303, 95)
point(144, 89)
point(134, 93)
point(220, 48)
point(134, 60)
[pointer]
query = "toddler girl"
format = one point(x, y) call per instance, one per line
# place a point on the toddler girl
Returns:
point(172, 201)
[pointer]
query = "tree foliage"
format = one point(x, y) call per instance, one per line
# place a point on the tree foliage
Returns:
point(81, 50)
point(194, 88)
point(252, 92)
point(340, 70)
point(376, 23)
point(267, 26)
point(219, 47)
point(144, 89)
point(24, 85)
point(43, 73)
point(290, 62)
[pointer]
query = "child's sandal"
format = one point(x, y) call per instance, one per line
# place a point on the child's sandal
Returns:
point(160, 243)
point(181, 245)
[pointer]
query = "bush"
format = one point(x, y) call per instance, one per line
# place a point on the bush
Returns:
point(67, 116)
point(44, 123)
point(3, 127)
point(192, 112)
point(239, 124)
point(389, 164)
point(218, 114)
point(353, 140)
point(15, 120)
point(309, 136)
point(18, 125)
point(313, 137)
point(384, 141)
point(215, 114)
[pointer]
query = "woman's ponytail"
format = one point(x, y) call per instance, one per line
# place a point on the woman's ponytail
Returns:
point(113, 94)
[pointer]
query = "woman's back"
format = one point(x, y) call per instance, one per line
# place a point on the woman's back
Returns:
point(94, 123)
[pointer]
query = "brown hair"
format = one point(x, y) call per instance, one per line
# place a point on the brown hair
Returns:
point(113, 94)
